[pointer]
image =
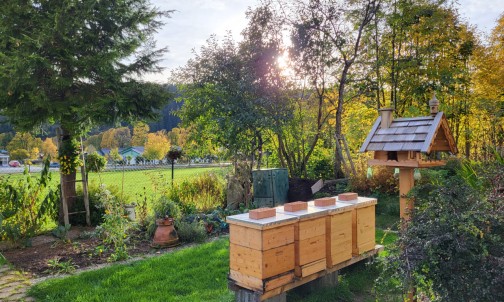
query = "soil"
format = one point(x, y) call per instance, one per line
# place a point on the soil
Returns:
point(83, 252)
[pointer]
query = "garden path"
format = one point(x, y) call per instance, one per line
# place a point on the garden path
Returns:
point(13, 285)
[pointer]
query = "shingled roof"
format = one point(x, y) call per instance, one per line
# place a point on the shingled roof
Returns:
point(421, 134)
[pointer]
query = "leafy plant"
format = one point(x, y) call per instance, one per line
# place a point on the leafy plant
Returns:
point(27, 203)
point(115, 225)
point(191, 231)
point(452, 247)
point(95, 162)
point(61, 231)
point(165, 207)
point(203, 193)
point(56, 266)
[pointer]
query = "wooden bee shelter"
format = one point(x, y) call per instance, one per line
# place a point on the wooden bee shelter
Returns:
point(338, 229)
point(363, 221)
point(409, 143)
point(309, 237)
point(261, 249)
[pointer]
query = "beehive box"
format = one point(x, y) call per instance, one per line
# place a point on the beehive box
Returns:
point(363, 224)
point(309, 239)
point(261, 251)
point(338, 232)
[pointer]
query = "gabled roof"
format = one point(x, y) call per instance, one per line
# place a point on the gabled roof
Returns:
point(137, 149)
point(422, 134)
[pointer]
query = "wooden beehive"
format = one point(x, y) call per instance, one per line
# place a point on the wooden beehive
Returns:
point(338, 232)
point(309, 239)
point(261, 251)
point(363, 224)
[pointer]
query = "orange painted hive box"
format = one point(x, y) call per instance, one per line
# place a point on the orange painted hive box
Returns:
point(261, 251)
point(309, 239)
point(363, 224)
point(338, 232)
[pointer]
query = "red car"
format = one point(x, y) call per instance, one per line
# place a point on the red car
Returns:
point(14, 163)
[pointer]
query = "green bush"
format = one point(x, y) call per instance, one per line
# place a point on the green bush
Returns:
point(202, 193)
point(114, 228)
point(452, 249)
point(96, 207)
point(165, 207)
point(26, 205)
point(95, 162)
point(191, 231)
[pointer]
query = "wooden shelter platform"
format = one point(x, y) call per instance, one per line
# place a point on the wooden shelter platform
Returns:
point(234, 285)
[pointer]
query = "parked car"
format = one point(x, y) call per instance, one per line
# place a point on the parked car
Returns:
point(14, 163)
point(54, 165)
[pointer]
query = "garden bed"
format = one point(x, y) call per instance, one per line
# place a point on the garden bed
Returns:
point(82, 252)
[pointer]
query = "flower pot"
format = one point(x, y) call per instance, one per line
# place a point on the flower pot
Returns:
point(165, 234)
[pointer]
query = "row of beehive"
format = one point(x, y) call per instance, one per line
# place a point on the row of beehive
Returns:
point(299, 240)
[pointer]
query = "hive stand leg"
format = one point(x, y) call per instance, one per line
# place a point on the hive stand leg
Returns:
point(329, 280)
point(245, 295)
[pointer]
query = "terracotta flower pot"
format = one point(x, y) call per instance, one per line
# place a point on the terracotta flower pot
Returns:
point(165, 234)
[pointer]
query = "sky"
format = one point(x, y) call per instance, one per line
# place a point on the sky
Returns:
point(193, 21)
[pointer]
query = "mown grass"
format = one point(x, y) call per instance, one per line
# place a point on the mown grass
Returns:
point(151, 180)
point(193, 274)
point(134, 180)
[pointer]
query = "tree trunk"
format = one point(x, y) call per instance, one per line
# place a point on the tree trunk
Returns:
point(67, 180)
point(338, 161)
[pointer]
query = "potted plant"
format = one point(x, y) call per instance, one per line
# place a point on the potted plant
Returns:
point(174, 154)
point(166, 211)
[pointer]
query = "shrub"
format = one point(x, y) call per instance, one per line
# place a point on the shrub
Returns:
point(165, 207)
point(203, 193)
point(96, 207)
point(95, 162)
point(452, 249)
point(26, 205)
point(191, 231)
point(381, 181)
point(115, 224)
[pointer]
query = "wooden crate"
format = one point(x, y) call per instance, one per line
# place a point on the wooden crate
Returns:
point(338, 232)
point(363, 225)
point(310, 240)
point(261, 252)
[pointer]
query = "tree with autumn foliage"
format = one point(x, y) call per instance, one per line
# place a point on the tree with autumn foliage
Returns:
point(156, 146)
point(49, 148)
point(140, 131)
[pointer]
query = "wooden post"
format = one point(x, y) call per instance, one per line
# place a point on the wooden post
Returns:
point(406, 183)
point(64, 204)
point(86, 195)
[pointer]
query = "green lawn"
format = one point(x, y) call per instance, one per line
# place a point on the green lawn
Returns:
point(193, 274)
point(135, 181)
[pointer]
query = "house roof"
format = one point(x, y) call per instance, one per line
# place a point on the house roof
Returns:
point(422, 134)
point(137, 149)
